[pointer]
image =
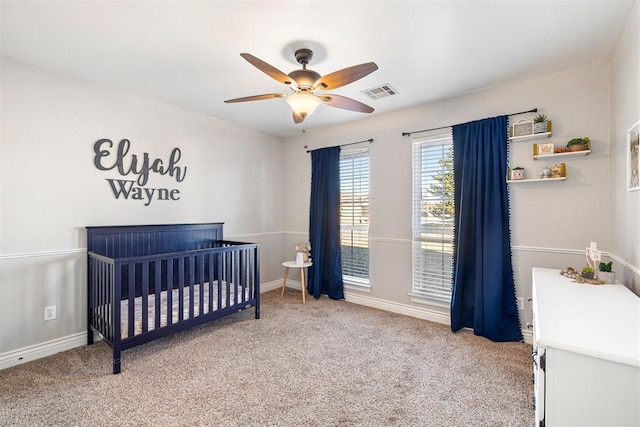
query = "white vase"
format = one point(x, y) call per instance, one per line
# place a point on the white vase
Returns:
point(299, 258)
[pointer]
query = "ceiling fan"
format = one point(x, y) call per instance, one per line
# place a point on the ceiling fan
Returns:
point(305, 83)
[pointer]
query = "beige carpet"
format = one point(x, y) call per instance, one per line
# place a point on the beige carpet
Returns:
point(327, 363)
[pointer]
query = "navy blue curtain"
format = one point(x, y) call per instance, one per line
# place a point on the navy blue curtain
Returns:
point(325, 275)
point(483, 296)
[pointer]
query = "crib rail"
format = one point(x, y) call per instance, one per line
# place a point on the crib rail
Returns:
point(207, 283)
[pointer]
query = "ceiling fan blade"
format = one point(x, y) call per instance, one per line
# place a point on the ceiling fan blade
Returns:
point(257, 97)
point(269, 70)
point(345, 76)
point(297, 117)
point(345, 103)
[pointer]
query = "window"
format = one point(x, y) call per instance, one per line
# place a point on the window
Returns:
point(433, 216)
point(354, 214)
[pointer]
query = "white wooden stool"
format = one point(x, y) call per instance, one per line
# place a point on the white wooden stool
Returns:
point(292, 264)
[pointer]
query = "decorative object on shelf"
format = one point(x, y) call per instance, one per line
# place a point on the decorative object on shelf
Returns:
point(558, 151)
point(605, 274)
point(559, 171)
point(587, 272)
point(302, 252)
point(579, 144)
point(522, 127)
point(633, 157)
point(571, 273)
point(517, 173)
point(544, 172)
point(593, 256)
point(544, 149)
point(541, 124)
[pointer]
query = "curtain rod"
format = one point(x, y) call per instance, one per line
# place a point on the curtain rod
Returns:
point(370, 140)
point(534, 110)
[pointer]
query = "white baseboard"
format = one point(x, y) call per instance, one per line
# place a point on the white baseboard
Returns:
point(420, 313)
point(269, 286)
point(38, 351)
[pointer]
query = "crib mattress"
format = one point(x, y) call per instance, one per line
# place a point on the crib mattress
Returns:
point(175, 307)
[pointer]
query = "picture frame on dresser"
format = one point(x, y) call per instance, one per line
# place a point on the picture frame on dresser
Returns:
point(633, 157)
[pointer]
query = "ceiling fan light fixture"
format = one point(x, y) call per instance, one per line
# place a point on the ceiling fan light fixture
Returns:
point(303, 103)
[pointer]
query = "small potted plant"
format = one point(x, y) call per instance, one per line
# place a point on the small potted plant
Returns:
point(541, 124)
point(578, 144)
point(517, 173)
point(605, 274)
point(587, 272)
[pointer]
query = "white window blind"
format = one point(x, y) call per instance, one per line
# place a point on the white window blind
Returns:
point(433, 217)
point(354, 213)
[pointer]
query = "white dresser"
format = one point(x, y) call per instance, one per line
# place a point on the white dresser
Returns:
point(586, 351)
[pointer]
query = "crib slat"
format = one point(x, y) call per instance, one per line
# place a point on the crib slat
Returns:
point(250, 270)
point(201, 282)
point(115, 319)
point(210, 282)
point(98, 285)
point(236, 273)
point(169, 291)
point(157, 293)
point(220, 277)
point(107, 290)
point(131, 300)
point(229, 276)
point(145, 296)
point(243, 274)
point(107, 300)
point(180, 289)
point(191, 264)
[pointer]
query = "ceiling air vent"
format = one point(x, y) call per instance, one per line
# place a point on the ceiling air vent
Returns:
point(381, 91)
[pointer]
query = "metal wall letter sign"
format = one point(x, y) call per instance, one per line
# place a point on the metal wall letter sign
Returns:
point(109, 157)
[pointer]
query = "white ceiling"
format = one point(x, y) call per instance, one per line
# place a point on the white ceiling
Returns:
point(186, 53)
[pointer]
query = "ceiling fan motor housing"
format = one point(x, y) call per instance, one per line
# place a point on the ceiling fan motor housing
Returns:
point(305, 79)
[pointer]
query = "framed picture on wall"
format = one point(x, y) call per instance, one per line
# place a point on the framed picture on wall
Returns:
point(633, 155)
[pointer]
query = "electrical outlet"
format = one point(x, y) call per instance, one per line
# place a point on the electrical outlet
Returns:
point(50, 312)
point(520, 303)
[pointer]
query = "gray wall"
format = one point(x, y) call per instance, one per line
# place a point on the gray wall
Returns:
point(625, 111)
point(552, 222)
point(51, 190)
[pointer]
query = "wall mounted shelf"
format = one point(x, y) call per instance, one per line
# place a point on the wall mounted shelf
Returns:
point(529, 137)
point(518, 181)
point(567, 154)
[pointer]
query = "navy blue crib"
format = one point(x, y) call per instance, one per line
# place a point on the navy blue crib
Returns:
point(149, 281)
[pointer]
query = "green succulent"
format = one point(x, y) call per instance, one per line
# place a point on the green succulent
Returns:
point(578, 141)
point(587, 270)
point(540, 118)
point(605, 266)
